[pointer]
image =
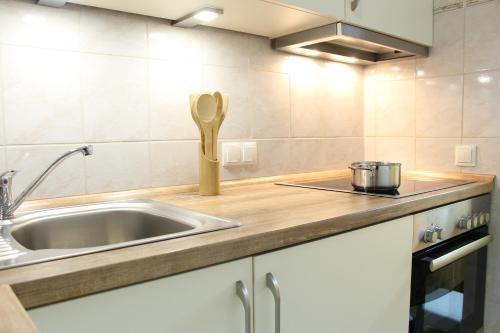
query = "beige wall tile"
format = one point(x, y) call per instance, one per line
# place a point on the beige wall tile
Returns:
point(343, 115)
point(175, 44)
point(446, 54)
point(170, 84)
point(370, 95)
point(341, 152)
point(114, 98)
point(263, 58)
point(315, 154)
point(370, 151)
point(308, 155)
point(234, 83)
point(436, 154)
point(23, 23)
point(439, 107)
point(482, 37)
point(481, 107)
point(41, 91)
point(396, 150)
point(308, 98)
point(68, 179)
point(273, 159)
point(395, 108)
point(118, 166)
point(394, 70)
point(227, 48)
point(112, 32)
point(270, 104)
point(174, 163)
point(327, 99)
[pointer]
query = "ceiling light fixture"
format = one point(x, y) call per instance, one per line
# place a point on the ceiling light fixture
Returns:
point(197, 17)
point(52, 3)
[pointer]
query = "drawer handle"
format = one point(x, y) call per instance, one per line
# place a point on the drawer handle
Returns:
point(272, 284)
point(354, 5)
point(242, 292)
point(459, 253)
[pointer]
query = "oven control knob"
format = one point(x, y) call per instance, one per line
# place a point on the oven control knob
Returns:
point(439, 232)
point(487, 217)
point(430, 235)
point(475, 221)
point(465, 223)
point(482, 218)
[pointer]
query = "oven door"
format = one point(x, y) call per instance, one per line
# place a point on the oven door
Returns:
point(448, 285)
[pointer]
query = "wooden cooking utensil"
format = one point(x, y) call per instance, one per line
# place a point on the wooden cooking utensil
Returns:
point(219, 117)
point(208, 112)
point(206, 109)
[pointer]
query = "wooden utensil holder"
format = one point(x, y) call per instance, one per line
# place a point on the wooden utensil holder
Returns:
point(209, 175)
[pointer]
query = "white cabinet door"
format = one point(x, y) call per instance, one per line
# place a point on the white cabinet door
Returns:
point(408, 19)
point(356, 282)
point(332, 8)
point(204, 300)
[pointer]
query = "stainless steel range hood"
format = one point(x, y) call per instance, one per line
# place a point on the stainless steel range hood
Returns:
point(347, 43)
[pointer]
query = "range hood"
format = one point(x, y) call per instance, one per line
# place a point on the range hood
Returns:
point(347, 43)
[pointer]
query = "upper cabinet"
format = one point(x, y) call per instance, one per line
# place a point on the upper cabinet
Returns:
point(332, 8)
point(407, 19)
point(251, 16)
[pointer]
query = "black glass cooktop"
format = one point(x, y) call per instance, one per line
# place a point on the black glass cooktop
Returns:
point(409, 186)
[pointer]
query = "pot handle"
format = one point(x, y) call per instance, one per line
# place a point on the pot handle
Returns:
point(361, 168)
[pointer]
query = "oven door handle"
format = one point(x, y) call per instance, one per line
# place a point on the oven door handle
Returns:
point(459, 253)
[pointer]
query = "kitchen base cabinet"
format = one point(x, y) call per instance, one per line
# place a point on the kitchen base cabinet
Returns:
point(204, 300)
point(355, 282)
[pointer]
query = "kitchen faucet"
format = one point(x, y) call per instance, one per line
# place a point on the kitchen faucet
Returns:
point(7, 205)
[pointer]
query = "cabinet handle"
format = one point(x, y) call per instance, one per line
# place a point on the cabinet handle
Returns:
point(242, 292)
point(354, 5)
point(272, 284)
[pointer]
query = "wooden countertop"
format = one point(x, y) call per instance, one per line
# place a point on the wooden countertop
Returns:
point(271, 217)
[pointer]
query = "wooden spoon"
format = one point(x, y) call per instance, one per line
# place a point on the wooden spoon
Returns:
point(218, 119)
point(206, 109)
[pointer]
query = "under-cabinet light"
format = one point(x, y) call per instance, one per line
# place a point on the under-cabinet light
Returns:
point(197, 17)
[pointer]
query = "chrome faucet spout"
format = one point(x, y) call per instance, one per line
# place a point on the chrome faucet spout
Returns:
point(7, 205)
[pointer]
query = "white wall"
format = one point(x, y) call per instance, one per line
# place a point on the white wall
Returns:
point(79, 74)
point(417, 111)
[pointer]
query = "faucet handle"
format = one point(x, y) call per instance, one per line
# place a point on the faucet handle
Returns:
point(7, 176)
point(6, 187)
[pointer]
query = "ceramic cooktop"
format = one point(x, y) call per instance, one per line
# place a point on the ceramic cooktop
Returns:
point(409, 186)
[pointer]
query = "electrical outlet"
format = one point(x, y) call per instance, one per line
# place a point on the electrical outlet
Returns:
point(465, 155)
point(239, 153)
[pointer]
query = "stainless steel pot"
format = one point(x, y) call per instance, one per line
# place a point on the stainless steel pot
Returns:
point(369, 175)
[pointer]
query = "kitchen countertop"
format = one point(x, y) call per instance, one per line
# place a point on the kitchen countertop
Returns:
point(271, 217)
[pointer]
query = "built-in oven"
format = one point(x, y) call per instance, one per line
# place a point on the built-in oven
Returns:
point(449, 268)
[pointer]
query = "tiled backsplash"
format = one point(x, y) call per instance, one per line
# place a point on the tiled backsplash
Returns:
point(417, 111)
point(79, 74)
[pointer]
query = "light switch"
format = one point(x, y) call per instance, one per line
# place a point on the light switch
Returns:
point(465, 155)
point(249, 153)
point(232, 153)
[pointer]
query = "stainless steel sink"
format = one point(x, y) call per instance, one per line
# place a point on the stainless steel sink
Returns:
point(58, 233)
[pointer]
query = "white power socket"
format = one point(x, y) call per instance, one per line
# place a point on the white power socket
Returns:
point(239, 153)
point(465, 155)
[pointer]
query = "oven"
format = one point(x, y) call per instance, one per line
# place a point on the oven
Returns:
point(449, 268)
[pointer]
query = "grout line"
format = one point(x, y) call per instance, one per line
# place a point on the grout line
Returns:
point(464, 31)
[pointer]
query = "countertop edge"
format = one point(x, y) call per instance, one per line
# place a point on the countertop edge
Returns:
point(14, 316)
